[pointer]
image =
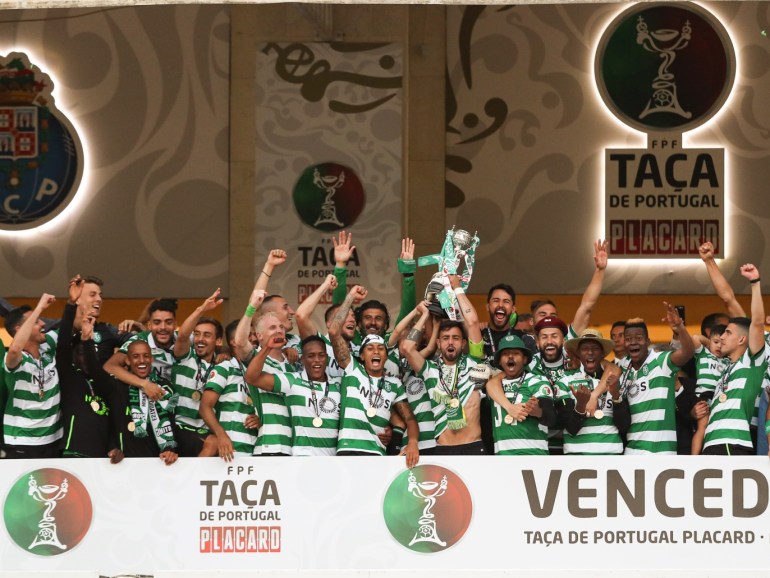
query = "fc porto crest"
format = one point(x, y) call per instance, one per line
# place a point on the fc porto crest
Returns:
point(41, 157)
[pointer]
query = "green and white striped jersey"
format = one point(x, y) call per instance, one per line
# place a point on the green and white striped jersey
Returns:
point(275, 431)
point(649, 392)
point(597, 436)
point(162, 359)
point(421, 405)
point(233, 405)
point(188, 376)
point(734, 399)
point(309, 400)
point(32, 414)
point(359, 393)
point(527, 437)
point(443, 382)
point(708, 369)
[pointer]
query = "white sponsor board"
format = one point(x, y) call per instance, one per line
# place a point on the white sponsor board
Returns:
point(311, 514)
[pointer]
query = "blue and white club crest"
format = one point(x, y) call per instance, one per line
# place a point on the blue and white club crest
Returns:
point(41, 157)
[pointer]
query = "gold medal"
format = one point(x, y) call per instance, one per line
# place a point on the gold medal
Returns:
point(371, 412)
point(508, 419)
point(317, 422)
point(723, 398)
point(248, 399)
point(95, 406)
point(196, 395)
point(598, 414)
point(131, 426)
point(455, 403)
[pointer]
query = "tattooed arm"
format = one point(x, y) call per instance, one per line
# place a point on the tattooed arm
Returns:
point(340, 347)
point(411, 451)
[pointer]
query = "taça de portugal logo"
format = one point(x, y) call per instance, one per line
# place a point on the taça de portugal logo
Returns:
point(41, 157)
point(665, 66)
point(329, 197)
point(47, 512)
point(428, 508)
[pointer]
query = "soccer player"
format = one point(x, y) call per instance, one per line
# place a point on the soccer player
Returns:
point(312, 397)
point(193, 363)
point(368, 395)
point(523, 402)
point(32, 425)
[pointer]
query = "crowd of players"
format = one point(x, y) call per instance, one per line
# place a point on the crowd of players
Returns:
point(440, 382)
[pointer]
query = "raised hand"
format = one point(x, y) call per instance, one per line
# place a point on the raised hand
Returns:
point(75, 289)
point(276, 257)
point(407, 248)
point(600, 254)
point(343, 250)
point(750, 272)
point(706, 251)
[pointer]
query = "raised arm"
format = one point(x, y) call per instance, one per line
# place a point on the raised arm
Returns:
point(594, 289)
point(718, 281)
point(275, 258)
point(304, 313)
point(410, 345)
point(343, 252)
point(182, 344)
point(23, 333)
point(470, 317)
point(687, 349)
point(757, 327)
point(243, 347)
point(407, 267)
point(340, 347)
point(254, 375)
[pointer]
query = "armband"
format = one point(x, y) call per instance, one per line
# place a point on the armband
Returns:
point(476, 350)
point(407, 266)
point(250, 310)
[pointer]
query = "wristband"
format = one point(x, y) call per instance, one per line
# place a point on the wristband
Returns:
point(264, 273)
point(757, 280)
point(617, 401)
point(580, 413)
point(767, 427)
point(407, 266)
point(459, 291)
point(250, 310)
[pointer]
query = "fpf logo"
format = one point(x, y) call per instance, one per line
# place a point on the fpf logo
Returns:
point(41, 157)
point(47, 512)
point(665, 67)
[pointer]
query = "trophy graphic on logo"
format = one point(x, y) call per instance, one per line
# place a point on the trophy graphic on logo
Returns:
point(329, 184)
point(49, 495)
point(458, 246)
point(665, 42)
point(427, 522)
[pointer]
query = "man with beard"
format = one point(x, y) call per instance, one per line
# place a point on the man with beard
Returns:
point(160, 337)
point(587, 434)
point(732, 407)
point(312, 397)
point(456, 403)
point(523, 402)
point(647, 385)
point(368, 395)
point(193, 362)
point(501, 307)
point(226, 406)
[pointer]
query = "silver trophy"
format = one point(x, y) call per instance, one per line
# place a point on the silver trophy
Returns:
point(426, 532)
point(665, 42)
point(48, 495)
point(459, 246)
point(329, 184)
